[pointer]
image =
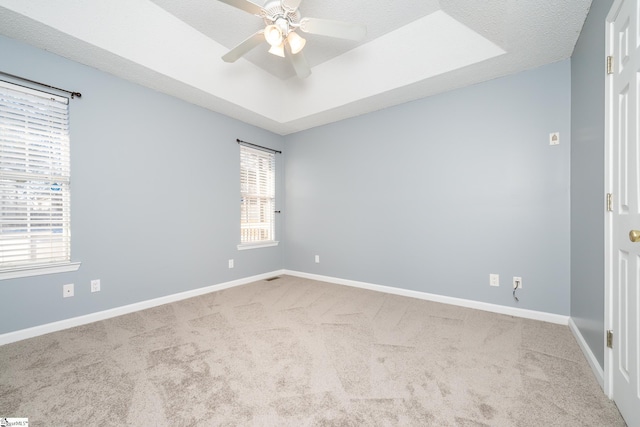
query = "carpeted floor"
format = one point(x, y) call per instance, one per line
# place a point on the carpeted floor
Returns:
point(296, 352)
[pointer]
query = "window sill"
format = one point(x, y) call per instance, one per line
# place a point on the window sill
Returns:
point(246, 246)
point(37, 270)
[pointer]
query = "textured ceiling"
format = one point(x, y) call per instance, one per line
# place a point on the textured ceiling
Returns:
point(413, 49)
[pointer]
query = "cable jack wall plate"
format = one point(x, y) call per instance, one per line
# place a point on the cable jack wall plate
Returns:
point(67, 290)
point(517, 282)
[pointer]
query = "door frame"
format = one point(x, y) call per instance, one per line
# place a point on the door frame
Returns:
point(608, 217)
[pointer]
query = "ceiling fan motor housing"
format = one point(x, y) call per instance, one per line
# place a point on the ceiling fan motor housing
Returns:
point(286, 20)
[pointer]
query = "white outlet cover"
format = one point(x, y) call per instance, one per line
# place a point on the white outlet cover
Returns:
point(95, 285)
point(231, 263)
point(517, 280)
point(494, 280)
point(554, 138)
point(317, 259)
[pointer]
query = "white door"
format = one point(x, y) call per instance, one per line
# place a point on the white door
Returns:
point(624, 182)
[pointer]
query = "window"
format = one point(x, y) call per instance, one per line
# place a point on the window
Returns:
point(34, 181)
point(257, 198)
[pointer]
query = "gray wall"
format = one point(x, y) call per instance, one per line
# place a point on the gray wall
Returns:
point(435, 194)
point(155, 196)
point(431, 195)
point(587, 179)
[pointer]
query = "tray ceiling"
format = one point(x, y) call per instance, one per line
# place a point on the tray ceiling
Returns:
point(413, 49)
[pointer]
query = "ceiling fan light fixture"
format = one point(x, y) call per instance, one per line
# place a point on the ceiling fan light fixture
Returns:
point(273, 35)
point(296, 43)
point(277, 50)
point(282, 19)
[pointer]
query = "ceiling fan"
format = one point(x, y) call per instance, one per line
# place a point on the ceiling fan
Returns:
point(282, 19)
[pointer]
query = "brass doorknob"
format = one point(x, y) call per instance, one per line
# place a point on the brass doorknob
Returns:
point(634, 236)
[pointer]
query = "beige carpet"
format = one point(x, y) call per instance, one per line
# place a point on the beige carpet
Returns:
point(296, 352)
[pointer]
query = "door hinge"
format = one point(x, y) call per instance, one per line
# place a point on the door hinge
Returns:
point(609, 64)
point(610, 338)
point(609, 202)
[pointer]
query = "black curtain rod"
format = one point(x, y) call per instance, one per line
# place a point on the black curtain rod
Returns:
point(73, 94)
point(239, 141)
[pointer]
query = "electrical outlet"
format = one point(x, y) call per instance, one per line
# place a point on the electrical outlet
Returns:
point(230, 263)
point(317, 259)
point(494, 280)
point(95, 285)
point(517, 282)
point(67, 290)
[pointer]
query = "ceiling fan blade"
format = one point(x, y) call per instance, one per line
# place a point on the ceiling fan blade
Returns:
point(234, 54)
point(299, 62)
point(339, 29)
point(291, 5)
point(245, 5)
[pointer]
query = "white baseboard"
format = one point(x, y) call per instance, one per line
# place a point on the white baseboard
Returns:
point(119, 311)
point(598, 372)
point(494, 308)
point(126, 309)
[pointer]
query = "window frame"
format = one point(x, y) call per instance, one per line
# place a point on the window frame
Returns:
point(261, 177)
point(35, 179)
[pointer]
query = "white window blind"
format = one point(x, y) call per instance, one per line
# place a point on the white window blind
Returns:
point(34, 178)
point(257, 195)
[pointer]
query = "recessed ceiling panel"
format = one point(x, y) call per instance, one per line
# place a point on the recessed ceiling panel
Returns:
point(229, 26)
